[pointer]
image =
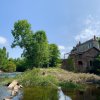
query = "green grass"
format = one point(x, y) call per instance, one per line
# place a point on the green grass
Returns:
point(53, 77)
point(35, 78)
point(70, 85)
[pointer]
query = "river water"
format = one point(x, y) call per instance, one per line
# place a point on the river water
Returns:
point(49, 93)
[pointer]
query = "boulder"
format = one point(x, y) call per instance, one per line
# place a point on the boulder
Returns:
point(8, 98)
point(14, 93)
point(16, 88)
point(13, 84)
point(1, 71)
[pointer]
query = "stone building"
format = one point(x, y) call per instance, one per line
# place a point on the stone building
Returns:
point(83, 55)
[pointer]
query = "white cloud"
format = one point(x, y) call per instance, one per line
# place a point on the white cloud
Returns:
point(64, 50)
point(61, 47)
point(3, 40)
point(92, 27)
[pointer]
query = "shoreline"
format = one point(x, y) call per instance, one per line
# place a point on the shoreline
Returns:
point(54, 77)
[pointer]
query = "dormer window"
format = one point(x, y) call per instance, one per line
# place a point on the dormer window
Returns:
point(90, 45)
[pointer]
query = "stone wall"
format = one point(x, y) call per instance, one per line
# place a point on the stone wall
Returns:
point(82, 61)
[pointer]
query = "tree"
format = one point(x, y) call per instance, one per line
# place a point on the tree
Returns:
point(98, 41)
point(70, 64)
point(10, 66)
point(23, 37)
point(22, 34)
point(3, 58)
point(54, 55)
point(41, 49)
point(96, 65)
point(35, 46)
point(21, 64)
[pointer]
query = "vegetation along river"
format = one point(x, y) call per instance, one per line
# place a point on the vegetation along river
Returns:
point(49, 93)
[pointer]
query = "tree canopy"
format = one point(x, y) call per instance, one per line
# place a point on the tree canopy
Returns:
point(54, 55)
point(3, 58)
point(36, 49)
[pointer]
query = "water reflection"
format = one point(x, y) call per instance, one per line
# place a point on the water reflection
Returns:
point(35, 93)
point(49, 93)
point(5, 92)
point(91, 93)
point(62, 96)
point(44, 93)
point(40, 93)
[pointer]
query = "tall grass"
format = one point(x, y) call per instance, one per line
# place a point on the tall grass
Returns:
point(54, 77)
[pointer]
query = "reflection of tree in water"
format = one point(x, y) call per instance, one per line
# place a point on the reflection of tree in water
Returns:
point(40, 93)
point(92, 93)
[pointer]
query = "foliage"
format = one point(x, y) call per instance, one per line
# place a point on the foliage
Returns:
point(40, 49)
point(3, 58)
point(54, 55)
point(35, 45)
point(36, 78)
point(98, 40)
point(70, 64)
point(11, 67)
point(96, 65)
point(20, 64)
point(70, 85)
point(22, 34)
point(54, 77)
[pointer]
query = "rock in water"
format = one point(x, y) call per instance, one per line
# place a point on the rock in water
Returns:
point(13, 84)
point(8, 98)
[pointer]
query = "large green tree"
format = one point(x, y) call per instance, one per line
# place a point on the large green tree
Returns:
point(41, 49)
point(35, 45)
point(22, 34)
point(24, 38)
point(54, 55)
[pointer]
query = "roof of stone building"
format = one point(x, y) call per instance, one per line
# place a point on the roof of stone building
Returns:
point(74, 50)
point(84, 42)
point(86, 51)
point(93, 39)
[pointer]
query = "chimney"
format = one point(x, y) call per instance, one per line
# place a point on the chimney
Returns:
point(79, 43)
point(94, 37)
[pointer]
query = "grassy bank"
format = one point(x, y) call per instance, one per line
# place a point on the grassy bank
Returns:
point(55, 77)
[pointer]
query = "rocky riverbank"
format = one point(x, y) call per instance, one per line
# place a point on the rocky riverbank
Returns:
point(11, 91)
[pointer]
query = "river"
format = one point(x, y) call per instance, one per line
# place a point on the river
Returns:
point(49, 93)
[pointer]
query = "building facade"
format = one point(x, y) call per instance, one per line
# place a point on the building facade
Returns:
point(83, 55)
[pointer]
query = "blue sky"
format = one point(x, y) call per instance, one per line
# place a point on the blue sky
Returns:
point(65, 21)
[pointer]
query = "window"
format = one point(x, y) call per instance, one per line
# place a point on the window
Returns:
point(91, 63)
point(80, 63)
point(80, 56)
point(90, 45)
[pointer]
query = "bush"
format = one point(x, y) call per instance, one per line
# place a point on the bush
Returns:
point(35, 78)
point(10, 67)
